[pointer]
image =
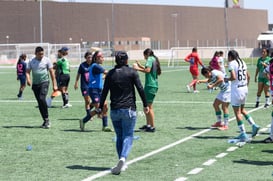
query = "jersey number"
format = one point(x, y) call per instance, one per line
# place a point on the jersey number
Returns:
point(241, 74)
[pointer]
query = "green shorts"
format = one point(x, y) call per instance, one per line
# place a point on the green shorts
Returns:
point(150, 93)
point(263, 80)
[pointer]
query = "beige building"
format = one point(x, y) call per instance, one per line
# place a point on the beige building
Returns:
point(164, 26)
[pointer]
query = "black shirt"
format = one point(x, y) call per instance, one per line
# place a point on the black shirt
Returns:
point(121, 81)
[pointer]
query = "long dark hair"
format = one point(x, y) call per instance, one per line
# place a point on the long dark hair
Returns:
point(22, 57)
point(149, 52)
point(95, 56)
point(235, 56)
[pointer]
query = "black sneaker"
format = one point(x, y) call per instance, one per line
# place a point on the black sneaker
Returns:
point(257, 104)
point(150, 129)
point(143, 127)
point(266, 106)
point(268, 140)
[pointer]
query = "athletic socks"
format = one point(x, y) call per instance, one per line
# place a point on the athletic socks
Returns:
point(249, 119)
point(226, 117)
point(104, 121)
point(218, 116)
point(241, 126)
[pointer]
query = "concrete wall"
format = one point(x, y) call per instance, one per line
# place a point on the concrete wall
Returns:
point(76, 22)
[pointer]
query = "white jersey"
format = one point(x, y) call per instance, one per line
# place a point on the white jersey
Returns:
point(239, 89)
point(224, 86)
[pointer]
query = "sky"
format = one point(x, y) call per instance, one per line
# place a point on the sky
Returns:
point(248, 4)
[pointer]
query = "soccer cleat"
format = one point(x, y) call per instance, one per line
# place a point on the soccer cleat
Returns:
point(117, 169)
point(196, 91)
point(81, 124)
point(217, 125)
point(107, 129)
point(223, 127)
point(48, 102)
point(268, 140)
point(255, 129)
point(266, 106)
point(67, 105)
point(257, 104)
point(143, 127)
point(45, 125)
point(188, 88)
point(150, 129)
point(242, 137)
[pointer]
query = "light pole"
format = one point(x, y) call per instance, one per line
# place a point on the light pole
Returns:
point(174, 15)
point(7, 38)
point(41, 21)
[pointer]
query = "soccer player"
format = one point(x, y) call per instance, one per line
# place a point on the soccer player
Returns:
point(239, 78)
point(215, 78)
point(121, 82)
point(269, 72)
point(40, 66)
point(263, 82)
point(152, 70)
point(83, 73)
point(21, 74)
point(194, 59)
point(96, 74)
point(63, 68)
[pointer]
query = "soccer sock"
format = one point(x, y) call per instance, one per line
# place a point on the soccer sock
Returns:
point(218, 116)
point(66, 98)
point(249, 119)
point(104, 121)
point(63, 97)
point(258, 99)
point(241, 126)
point(267, 100)
point(226, 117)
point(193, 82)
point(88, 116)
point(271, 128)
point(20, 93)
point(86, 119)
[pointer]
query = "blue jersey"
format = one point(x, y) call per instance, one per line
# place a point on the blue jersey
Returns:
point(96, 76)
point(84, 72)
point(21, 68)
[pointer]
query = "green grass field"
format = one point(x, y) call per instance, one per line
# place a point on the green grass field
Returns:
point(181, 145)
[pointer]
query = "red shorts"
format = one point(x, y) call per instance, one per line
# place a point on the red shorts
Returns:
point(194, 71)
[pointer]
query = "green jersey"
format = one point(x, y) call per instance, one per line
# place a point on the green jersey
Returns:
point(151, 77)
point(39, 69)
point(63, 66)
point(261, 67)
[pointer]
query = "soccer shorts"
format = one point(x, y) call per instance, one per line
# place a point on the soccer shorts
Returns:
point(64, 80)
point(224, 96)
point(150, 93)
point(238, 97)
point(95, 95)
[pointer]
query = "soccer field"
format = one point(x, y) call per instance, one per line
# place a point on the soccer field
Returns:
point(182, 148)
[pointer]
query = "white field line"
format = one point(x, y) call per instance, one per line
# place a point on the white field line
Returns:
point(103, 173)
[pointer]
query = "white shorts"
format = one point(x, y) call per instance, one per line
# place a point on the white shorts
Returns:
point(239, 96)
point(224, 96)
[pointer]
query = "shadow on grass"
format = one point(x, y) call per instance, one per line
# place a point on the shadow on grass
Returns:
point(192, 128)
point(212, 137)
point(80, 167)
point(69, 119)
point(268, 151)
point(253, 162)
point(28, 127)
point(78, 130)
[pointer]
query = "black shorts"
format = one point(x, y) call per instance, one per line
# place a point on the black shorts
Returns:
point(64, 80)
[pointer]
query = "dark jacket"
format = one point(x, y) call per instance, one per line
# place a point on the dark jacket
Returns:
point(121, 81)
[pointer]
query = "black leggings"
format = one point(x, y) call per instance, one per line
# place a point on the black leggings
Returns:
point(40, 92)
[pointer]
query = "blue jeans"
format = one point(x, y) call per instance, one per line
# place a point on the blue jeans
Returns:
point(124, 121)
